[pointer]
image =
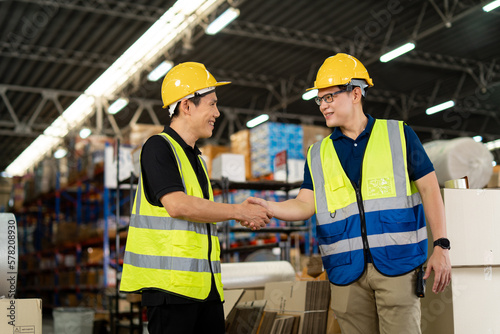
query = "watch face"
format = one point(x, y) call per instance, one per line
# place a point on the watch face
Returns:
point(445, 243)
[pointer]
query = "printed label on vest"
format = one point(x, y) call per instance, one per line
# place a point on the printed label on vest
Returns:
point(379, 186)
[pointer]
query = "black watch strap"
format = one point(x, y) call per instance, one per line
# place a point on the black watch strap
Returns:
point(443, 243)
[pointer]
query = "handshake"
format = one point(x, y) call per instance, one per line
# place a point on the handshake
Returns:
point(254, 213)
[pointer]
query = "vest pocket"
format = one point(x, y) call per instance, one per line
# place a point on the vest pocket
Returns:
point(400, 234)
point(336, 193)
point(335, 248)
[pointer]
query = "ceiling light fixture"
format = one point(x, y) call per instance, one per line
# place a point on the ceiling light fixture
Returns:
point(223, 20)
point(397, 52)
point(440, 107)
point(153, 43)
point(493, 145)
point(478, 139)
point(118, 105)
point(160, 70)
point(492, 5)
point(85, 132)
point(60, 153)
point(310, 94)
point(257, 120)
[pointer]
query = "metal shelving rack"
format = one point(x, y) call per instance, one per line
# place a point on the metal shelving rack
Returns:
point(225, 186)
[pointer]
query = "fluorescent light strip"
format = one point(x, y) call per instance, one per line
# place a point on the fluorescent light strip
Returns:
point(492, 5)
point(222, 21)
point(440, 107)
point(160, 70)
point(117, 106)
point(143, 52)
point(310, 94)
point(397, 52)
point(257, 120)
point(493, 145)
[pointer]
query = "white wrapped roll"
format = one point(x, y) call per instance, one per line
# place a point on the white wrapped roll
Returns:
point(459, 157)
point(255, 274)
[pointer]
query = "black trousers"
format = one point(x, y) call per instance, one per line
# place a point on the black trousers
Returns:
point(203, 317)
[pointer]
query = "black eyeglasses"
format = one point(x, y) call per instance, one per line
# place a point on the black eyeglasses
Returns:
point(328, 98)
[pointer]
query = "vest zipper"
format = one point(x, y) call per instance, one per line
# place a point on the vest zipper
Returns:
point(362, 218)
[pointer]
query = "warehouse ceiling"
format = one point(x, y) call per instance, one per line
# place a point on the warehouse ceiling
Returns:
point(52, 50)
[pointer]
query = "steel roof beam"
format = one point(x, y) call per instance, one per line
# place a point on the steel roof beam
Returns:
point(55, 55)
point(129, 10)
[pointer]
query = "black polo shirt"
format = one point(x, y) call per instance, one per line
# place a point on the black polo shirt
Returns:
point(161, 176)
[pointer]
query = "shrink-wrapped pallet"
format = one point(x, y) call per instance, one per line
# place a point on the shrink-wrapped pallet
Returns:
point(460, 157)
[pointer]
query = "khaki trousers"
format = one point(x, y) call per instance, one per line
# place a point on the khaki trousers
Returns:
point(377, 304)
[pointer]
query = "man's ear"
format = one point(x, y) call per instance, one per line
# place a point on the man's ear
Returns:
point(357, 95)
point(184, 107)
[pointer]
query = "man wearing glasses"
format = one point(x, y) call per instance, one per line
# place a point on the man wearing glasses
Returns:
point(371, 186)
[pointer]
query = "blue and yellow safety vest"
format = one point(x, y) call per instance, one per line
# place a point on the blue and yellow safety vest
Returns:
point(170, 254)
point(383, 217)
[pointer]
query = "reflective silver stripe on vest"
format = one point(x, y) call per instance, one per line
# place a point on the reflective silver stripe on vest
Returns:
point(178, 160)
point(371, 205)
point(316, 169)
point(170, 224)
point(398, 163)
point(377, 240)
point(399, 202)
point(171, 263)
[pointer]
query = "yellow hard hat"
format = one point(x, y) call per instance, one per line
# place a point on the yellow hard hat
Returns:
point(340, 70)
point(186, 79)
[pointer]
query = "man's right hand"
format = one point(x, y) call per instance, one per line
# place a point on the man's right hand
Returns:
point(254, 216)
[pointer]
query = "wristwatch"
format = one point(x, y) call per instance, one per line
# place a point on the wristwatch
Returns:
point(443, 243)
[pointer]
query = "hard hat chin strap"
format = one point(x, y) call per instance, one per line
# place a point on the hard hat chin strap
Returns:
point(171, 108)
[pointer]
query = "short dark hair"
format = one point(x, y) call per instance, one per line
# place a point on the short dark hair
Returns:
point(196, 99)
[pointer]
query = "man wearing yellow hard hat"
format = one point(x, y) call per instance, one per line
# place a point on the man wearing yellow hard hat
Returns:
point(172, 255)
point(371, 186)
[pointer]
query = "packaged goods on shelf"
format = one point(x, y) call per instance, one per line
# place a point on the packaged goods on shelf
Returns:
point(240, 144)
point(210, 152)
point(313, 134)
point(18, 193)
point(138, 134)
point(229, 165)
point(270, 138)
point(65, 232)
point(295, 171)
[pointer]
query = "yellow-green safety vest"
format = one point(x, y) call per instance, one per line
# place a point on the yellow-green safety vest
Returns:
point(170, 254)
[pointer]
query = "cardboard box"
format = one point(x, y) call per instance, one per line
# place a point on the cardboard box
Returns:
point(469, 305)
point(299, 298)
point(137, 134)
point(240, 144)
point(295, 171)
point(210, 152)
point(472, 217)
point(495, 178)
point(313, 134)
point(21, 316)
point(229, 165)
